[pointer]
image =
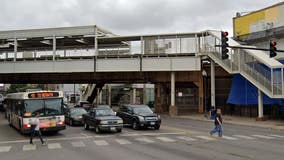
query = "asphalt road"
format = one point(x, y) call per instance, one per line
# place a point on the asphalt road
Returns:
point(178, 139)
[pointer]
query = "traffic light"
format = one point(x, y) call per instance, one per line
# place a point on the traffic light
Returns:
point(272, 49)
point(224, 45)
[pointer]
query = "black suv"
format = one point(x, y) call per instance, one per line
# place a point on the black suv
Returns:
point(139, 116)
point(103, 118)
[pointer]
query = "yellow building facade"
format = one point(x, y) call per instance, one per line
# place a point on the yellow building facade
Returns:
point(257, 21)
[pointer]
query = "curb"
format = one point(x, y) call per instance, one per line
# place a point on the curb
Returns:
point(234, 123)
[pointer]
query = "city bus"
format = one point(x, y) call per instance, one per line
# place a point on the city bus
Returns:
point(22, 108)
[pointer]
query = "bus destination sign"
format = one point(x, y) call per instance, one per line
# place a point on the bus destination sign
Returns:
point(43, 95)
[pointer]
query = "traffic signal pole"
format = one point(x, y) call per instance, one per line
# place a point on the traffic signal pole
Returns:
point(239, 47)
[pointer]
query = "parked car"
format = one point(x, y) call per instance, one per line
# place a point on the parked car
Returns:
point(139, 116)
point(84, 104)
point(102, 118)
point(73, 116)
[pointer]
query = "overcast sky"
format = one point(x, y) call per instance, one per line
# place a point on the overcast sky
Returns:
point(127, 17)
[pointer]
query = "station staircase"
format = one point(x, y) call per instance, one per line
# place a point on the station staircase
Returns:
point(90, 93)
point(255, 65)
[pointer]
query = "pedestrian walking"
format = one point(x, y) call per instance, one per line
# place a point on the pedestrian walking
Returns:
point(218, 124)
point(35, 130)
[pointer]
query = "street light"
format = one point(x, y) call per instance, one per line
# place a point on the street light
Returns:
point(204, 75)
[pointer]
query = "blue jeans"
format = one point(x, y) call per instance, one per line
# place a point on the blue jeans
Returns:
point(218, 128)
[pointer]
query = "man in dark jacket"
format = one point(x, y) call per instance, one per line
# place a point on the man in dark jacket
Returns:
point(218, 124)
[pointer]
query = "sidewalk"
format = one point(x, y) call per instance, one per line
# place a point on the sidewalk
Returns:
point(243, 121)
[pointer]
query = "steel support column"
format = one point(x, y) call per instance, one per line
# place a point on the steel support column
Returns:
point(212, 67)
point(260, 104)
point(96, 41)
point(101, 96)
point(173, 88)
point(144, 93)
point(109, 95)
point(98, 96)
point(54, 48)
point(15, 49)
point(134, 95)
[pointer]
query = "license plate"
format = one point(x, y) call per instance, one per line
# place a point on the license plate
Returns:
point(152, 123)
point(112, 128)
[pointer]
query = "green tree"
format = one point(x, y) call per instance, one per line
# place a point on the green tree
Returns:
point(14, 88)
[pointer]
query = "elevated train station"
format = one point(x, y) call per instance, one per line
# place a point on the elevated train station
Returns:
point(185, 67)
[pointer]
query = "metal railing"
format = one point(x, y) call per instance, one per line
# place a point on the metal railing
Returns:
point(266, 78)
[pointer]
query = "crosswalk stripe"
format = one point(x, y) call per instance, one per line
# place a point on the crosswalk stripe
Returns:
point(277, 136)
point(54, 146)
point(101, 142)
point(144, 140)
point(78, 144)
point(244, 137)
point(229, 138)
point(29, 147)
point(122, 141)
point(5, 148)
point(262, 136)
point(206, 138)
point(165, 139)
point(186, 138)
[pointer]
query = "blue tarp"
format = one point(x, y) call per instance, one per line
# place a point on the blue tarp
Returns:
point(245, 93)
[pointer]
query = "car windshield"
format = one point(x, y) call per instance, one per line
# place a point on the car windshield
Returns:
point(104, 112)
point(78, 111)
point(141, 110)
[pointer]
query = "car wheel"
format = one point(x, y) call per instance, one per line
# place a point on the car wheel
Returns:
point(86, 126)
point(119, 130)
point(157, 127)
point(135, 125)
point(97, 129)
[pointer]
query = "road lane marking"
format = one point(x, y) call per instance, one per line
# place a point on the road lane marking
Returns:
point(18, 141)
point(277, 136)
point(150, 134)
point(206, 138)
point(244, 137)
point(166, 139)
point(29, 147)
point(5, 149)
point(262, 136)
point(229, 138)
point(101, 142)
point(78, 144)
point(83, 134)
point(144, 140)
point(185, 138)
point(54, 146)
point(48, 139)
point(123, 141)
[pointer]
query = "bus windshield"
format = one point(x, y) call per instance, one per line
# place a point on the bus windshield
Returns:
point(46, 107)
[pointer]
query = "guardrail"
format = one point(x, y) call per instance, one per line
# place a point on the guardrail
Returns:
point(266, 78)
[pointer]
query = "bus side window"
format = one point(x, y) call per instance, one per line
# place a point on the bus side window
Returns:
point(19, 108)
